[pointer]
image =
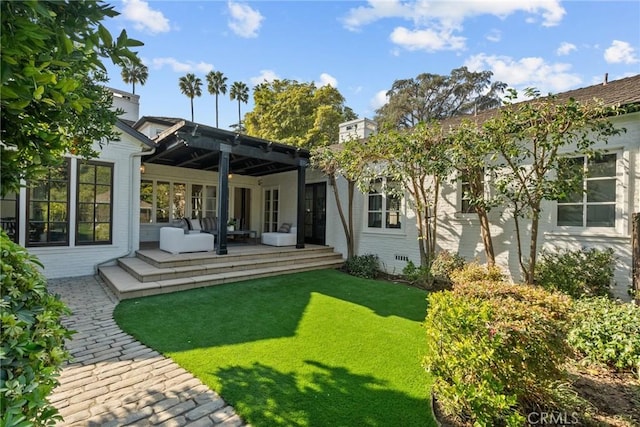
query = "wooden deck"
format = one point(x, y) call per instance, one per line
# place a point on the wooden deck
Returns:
point(154, 271)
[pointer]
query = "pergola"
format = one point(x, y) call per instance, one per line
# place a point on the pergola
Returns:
point(191, 145)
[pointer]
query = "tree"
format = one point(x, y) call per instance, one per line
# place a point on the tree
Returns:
point(217, 84)
point(134, 72)
point(52, 103)
point(469, 151)
point(52, 97)
point(297, 113)
point(344, 160)
point(239, 91)
point(436, 97)
point(414, 161)
point(529, 137)
point(191, 86)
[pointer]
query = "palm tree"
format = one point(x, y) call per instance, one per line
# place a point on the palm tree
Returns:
point(239, 91)
point(191, 86)
point(134, 72)
point(217, 84)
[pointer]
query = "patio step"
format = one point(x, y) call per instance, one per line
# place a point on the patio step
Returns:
point(146, 272)
point(135, 277)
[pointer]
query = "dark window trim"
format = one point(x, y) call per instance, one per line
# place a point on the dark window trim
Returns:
point(93, 242)
point(30, 244)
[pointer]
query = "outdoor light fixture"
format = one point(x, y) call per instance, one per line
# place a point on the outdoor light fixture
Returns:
point(142, 168)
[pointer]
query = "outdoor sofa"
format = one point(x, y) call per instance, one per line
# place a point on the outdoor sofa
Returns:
point(285, 236)
point(175, 240)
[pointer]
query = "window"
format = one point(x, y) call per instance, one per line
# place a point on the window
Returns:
point(466, 204)
point(162, 202)
point(203, 201)
point(9, 215)
point(384, 202)
point(179, 200)
point(271, 200)
point(94, 215)
point(48, 208)
point(595, 204)
point(146, 201)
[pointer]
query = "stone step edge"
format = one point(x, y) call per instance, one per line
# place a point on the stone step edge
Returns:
point(174, 285)
point(152, 273)
point(213, 258)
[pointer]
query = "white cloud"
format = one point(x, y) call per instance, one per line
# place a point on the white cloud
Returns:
point(435, 21)
point(181, 67)
point(327, 79)
point(620, 52)
point(379, 99)
point(244, 21)
point(427, 39)
point(265, 76)
point(565, 48)
point(145, 18)
point(494, 35)
point(526, 72)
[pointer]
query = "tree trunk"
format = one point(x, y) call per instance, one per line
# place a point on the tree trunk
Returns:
point(192, 109)
point(485, 231)
point(350, 193)
point(345, 226)
point(533, 245)
point(217, 110)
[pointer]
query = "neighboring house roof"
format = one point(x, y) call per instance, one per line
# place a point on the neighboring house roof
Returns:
point(166, 121)
point(623, 92)
point(126, 128)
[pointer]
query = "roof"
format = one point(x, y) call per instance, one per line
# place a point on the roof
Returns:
point(126, 128)
point(622, 92)
point(197, 146)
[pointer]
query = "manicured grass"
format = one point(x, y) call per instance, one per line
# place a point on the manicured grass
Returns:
point(312, 349)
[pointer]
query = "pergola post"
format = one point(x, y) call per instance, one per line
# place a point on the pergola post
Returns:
point(302, 166)
point(223, 198)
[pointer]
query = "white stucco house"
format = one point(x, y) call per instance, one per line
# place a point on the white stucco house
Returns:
point(90, 213)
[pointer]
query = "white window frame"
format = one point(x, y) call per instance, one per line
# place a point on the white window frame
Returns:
point(384, 209)
point(268, 222)
point(617, 202)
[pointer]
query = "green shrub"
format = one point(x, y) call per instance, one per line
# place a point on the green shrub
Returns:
point(444, 264)
point(607, 332)
point(580, 273)
point(496, 350)
point(365, 266)
point(32, 339)
point(474, 272)
point(417, 275)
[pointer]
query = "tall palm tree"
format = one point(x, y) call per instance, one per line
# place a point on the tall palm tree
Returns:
point(239, 91)
point(217, 84)
point(134, 72)
point(191, 86)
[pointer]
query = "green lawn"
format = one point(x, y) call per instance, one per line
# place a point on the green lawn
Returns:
point(312, 349)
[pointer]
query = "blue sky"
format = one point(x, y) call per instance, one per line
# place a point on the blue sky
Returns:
point(362, 47)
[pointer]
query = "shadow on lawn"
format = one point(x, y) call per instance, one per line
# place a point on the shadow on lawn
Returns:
point(326, 396)
point(256, 310)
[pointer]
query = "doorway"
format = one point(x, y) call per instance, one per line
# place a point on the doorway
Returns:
point(241, 211)
point(315, 213)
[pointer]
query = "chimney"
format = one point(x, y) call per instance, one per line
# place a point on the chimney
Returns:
point(128, 102)
point(356, 129)
point(606, 79)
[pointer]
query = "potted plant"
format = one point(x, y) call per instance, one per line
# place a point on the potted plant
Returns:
point(231, 224)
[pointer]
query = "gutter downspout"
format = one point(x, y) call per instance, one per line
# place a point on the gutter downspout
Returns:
point(130, 249)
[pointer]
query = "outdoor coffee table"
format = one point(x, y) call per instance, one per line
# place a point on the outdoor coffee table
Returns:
point(242, 233)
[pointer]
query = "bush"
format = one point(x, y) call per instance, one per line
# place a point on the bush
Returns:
point(580, 273)
point(32, 339)
point(365, 266)
point(496, 350)
point(607, 332)
point(474, 272)
point(417, 275)
point(445, 264)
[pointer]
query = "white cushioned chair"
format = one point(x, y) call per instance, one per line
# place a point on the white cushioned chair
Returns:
point(280, 238)
point(174, 240)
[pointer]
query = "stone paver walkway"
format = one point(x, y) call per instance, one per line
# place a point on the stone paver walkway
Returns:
point(114, 380)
